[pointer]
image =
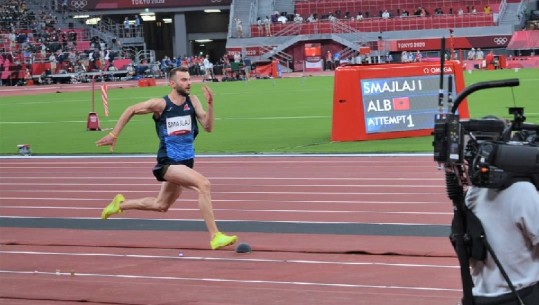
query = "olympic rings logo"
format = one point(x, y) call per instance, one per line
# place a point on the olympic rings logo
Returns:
point(500, 40)
point(79, 3)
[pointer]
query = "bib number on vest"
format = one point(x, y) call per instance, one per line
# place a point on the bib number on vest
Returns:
point(179, 125)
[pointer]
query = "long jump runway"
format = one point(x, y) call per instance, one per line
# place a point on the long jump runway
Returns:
point(324, 230)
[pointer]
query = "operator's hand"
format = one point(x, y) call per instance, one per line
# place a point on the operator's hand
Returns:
point(109, 139)
point(208, 94)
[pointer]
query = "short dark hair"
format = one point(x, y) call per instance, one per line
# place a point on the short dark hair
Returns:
point(180, 69)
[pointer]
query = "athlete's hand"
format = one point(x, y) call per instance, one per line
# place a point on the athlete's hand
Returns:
point(208, 94)
point(107, 140)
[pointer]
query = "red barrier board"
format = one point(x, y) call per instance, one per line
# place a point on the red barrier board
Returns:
point(372, 102)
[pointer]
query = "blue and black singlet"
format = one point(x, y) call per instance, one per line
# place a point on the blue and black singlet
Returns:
point(177, 129)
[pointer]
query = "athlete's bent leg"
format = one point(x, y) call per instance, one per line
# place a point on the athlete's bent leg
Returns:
point(189, 178)
point(167, 196)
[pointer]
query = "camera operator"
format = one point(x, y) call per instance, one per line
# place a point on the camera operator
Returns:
point(510, 218)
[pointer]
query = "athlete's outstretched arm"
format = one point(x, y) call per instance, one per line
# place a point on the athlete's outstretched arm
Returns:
point(156, 106)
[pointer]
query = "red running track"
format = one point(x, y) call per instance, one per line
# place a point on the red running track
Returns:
point(63, 265)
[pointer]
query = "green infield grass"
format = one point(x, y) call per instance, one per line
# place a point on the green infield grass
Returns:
point(290, 115)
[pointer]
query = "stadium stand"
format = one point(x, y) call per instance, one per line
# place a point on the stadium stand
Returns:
point(40, 41)
point(403, 15)
point(379, 29)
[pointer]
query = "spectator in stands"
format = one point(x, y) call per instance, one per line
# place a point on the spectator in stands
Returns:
point(127, 27)
point(404, 56)
point(208, 68)
point(420, 12)
point(298, 18)
point(64, 7)
point(247, 67)
point(130, 70)
point(239, 27)
point(329, 61)
point(471, 54)
point(12, 40)
point(92, 60)
point(311, 18)
point(43, 50)
point(274, 17)
point(260, 26)
point(385, 14)
point(474, 11)
point(332, 18)
point(479, 55)
point(267, 26)
point(237, 57)
point(359, 16)
point(418, 56)
point(488, 10)
point(337, 59)
point(282, 19)
point(53, 61)
point(116, 45)
point(137, 25)
point(490, 59)
point(460, 12)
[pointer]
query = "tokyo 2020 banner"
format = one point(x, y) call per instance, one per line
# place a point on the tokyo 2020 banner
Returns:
point(424, 44)
point(130, 4)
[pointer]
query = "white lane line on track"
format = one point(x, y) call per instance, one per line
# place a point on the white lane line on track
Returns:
point(213, 178)
point(174, 278)
point(232, 192)
point(380, 156)
point(65, 208)
point(251, 160)
point(223, 178)
point(388, 162)
point(198, 258)
point(216, 184)
point(235, 200)
point(230, 220)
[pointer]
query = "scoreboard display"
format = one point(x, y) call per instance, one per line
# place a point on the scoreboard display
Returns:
point(391, 100)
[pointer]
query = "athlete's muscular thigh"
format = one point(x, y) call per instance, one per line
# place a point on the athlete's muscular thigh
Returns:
point(168, 195)
point(185, 177)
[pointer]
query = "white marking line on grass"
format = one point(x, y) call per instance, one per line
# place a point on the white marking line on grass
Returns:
point(198, 258)
point(279, 118)
point(236, 200)
point(66, 208)
point(71, 86)
point(43, 102)
point(27, 123)
point(174, 278)
point(228, 119)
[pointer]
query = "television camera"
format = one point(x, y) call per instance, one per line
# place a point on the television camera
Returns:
point(489, 152)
